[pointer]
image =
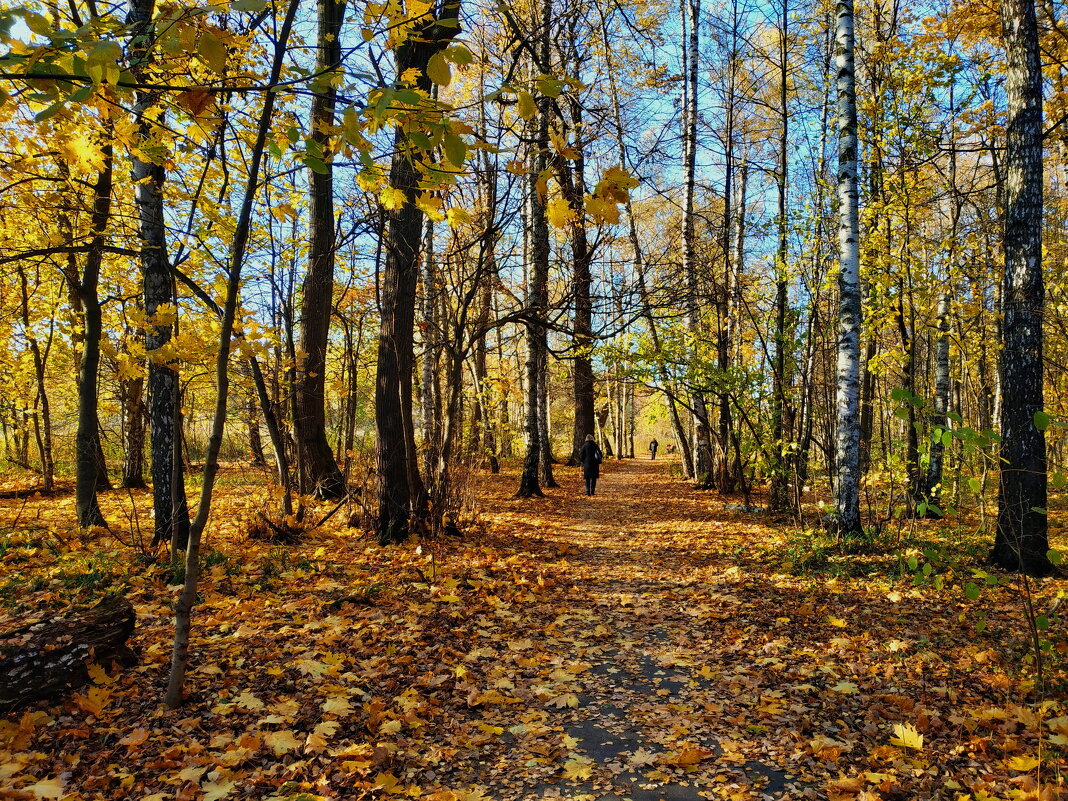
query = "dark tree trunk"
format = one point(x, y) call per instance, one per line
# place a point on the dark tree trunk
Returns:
point(319, 473)
point(87, 441)
point(132, 399)
point(400, 491)
point(1022, 540)
point(169, 503)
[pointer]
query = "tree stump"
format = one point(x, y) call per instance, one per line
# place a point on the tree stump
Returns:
point(48, 657)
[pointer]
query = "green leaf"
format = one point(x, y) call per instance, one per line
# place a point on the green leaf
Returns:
point(1055, 557)
point(974, 484)
point(947, 438)
point(913, 562)
point(438, 70)
point(972, 591)
point(316, 165)
point(458, 54)
point(212, 51)
point(455, 150)
point(1041, 622)
point(1041, 421)
point(51, 111)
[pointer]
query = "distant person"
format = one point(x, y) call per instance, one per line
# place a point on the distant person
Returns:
point(590, 456)
point(652, 448)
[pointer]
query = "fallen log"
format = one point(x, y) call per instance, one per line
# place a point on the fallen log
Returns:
point(48, 657)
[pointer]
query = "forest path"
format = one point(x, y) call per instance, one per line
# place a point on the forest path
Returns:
point(643, 630)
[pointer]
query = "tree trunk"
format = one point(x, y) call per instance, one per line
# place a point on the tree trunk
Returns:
point(778, 492)
point(183, 610)
point(691, 20)
point(171, 518)
point(1022, 540)
point(939, 419)
point(132, 399)
point(847, 403)
point(87, 441)
point(401, 495)
point(319, 473)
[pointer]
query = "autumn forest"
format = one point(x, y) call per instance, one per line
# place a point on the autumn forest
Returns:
point(317, 316)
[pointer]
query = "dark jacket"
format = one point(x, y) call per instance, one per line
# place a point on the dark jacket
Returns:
point(591, 457)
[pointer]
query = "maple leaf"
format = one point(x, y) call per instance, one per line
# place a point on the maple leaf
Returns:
point(248, 701)
point(641, 758)
point(213, 791)
point(1023, 764)
point(93, 701)
point(578, 768)
point(566, 700)
point(47, 788)
point(338, 705)
point(906, 736)
point(281, 742)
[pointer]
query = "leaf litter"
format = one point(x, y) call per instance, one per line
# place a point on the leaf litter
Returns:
point(646, 643)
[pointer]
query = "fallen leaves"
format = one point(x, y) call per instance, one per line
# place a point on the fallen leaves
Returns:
point(670, 655)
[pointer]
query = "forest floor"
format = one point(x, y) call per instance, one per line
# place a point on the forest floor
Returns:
point(651, 642)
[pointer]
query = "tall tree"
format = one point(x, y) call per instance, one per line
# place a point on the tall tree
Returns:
point(847, 402)
point(400, 489)
point(538, 291)
point(318, 471)
point(691, 26)
point(1022, 539)
point(168, 486)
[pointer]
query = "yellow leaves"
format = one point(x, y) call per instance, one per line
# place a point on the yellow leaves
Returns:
point(99, 675)
point(578, 768)
point(215, 790)
point(602, 209)
point(566, 700)
point(390, 727)
point(846, 688)
point(196, 101)
point(101, 63)
point(906, 736)
point(281, 742)
point(391, 198)
point(211, 49)
point(527, 107)
point(135, 738)
point(457, 217)
point(1023, 764)
point(338, 705)
point(642, 758)
point(559, 212)
point(94, 701)
point(686, 757)
point(248, 701)
point(47, 788)
point(81, 154)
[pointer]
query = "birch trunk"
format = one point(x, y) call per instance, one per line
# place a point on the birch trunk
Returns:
point(1022, 539)
point(847, 400)
point(703, 434)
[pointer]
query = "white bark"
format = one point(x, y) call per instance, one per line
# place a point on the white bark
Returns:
point(847, 439)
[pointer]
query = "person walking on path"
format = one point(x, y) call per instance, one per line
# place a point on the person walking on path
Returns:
point(590, 456)
point(652, 448)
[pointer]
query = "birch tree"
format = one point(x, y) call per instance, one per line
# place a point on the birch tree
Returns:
point(847, 397)
point(1022, 539)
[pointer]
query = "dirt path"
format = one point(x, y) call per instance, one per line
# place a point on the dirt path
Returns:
point(637, 632)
